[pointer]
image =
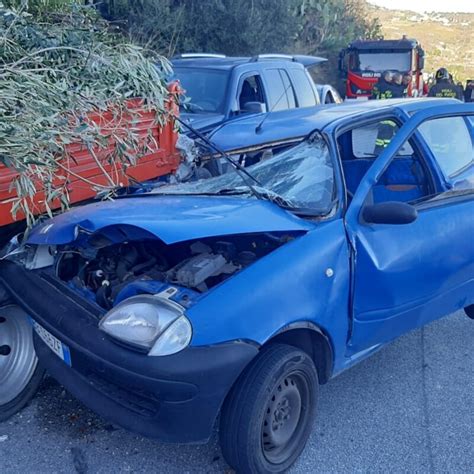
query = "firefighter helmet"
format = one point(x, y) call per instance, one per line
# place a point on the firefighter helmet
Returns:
point(442, 74)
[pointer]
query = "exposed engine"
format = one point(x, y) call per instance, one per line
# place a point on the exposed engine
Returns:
point(104, 273)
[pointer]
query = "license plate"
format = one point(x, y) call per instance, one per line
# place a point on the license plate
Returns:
point(58, 347)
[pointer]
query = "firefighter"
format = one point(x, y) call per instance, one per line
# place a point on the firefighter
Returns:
point(469, 91)
point(406, 81)
point(397, 85)
point(444, 87)
point(384, 89)
point(385, 133)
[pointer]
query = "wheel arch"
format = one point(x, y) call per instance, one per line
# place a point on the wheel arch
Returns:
point(311, 339)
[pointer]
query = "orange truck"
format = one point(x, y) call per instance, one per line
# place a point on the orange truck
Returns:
point(80, 169)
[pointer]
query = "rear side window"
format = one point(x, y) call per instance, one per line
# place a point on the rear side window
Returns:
point(290, 94)
point(279, 90)
point(450, 142)
point(303, 88)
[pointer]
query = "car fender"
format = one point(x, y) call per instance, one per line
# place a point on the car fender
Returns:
point(305, 280)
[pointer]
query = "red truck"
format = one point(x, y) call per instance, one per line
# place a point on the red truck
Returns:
point(363, 61)
point(160, 159)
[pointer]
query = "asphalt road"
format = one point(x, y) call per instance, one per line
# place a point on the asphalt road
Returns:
point(409, 408)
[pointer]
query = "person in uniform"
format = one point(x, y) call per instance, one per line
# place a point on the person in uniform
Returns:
point(384, 88)
point(444, 87)
point(406, 81)
point(469, 91)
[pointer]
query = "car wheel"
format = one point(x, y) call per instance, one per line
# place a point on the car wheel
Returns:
point(268, 416)
point(20, 373)
point(469, 310)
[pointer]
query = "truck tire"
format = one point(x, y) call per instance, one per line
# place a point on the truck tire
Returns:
point(20, 373)
point(269, 413)
point(469, 310)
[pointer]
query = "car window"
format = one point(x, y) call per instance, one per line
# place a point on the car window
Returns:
point(370, 140)
point(303, 88)
point(251, 91)
point(277, 91)
point(329, 99)
point(451, 143)
point(204, 89)
point(290, 93)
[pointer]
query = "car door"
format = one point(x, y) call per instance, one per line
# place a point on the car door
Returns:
point(406, 275)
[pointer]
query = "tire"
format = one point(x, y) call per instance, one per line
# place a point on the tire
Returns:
point(469, 310)
point(20, 373)
point(269, 413)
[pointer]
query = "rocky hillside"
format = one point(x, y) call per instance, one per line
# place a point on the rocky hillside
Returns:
point(448, 38)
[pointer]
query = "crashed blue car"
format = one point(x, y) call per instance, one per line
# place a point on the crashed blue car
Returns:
point(229, 300)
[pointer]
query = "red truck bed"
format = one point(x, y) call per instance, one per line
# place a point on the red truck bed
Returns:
point(161, 159)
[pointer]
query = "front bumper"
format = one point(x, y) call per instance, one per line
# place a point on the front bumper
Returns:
point(174, 398)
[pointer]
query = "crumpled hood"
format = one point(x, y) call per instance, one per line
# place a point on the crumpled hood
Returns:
point(171, 218)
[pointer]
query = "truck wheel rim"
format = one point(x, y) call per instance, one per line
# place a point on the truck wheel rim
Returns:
point(18, 359)
point(283, 421)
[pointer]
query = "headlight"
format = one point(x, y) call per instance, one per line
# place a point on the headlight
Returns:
point(149, 323)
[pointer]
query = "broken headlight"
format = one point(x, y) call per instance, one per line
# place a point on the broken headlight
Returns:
point(150, 323)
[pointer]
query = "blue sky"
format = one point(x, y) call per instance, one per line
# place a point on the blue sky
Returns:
point(428, 5)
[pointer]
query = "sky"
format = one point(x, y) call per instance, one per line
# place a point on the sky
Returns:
point(428, 5)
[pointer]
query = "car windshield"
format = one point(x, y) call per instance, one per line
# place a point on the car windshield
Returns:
point(302, 176)
point(204, 89)
point(379, 61)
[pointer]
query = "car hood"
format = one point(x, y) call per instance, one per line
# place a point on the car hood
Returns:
point(202, 121)
point(170, 218)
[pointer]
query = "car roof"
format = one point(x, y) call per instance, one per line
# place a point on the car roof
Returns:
point(300, 122)
point(211, 63)
point(230, 62)
point(328, 114)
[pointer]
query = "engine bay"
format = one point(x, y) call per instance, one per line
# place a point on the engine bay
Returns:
point(112, 272)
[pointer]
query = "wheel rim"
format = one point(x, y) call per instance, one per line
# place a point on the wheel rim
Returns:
point(18, 359)
point(284, 418)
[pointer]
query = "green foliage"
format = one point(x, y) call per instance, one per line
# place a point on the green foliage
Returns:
point(244, 27)
point(57, 67)
point(227, 26)
point(36, 7)
point(328, 25)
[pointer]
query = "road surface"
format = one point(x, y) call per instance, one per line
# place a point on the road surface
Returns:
point(409, 408)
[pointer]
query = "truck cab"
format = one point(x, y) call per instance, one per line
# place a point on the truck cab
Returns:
point(362, 63)
point(218, 88)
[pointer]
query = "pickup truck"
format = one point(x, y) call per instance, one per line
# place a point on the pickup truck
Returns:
point(230, 300)
point(219, 88)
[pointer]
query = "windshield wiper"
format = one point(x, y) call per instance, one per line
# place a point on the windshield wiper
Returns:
point(239, 169)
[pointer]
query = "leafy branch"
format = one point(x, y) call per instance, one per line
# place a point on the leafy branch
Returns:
point(69, 79)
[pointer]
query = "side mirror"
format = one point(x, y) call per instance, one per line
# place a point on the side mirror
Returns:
point(254, 107)
point(391, 212)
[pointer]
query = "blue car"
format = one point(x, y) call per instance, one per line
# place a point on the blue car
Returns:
point(230, 300)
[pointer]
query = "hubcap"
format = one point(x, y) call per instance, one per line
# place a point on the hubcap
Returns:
point(283, 416)
point(17, 355)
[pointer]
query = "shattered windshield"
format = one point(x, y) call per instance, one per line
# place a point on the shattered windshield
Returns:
point(302, 177)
